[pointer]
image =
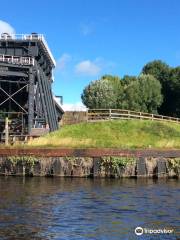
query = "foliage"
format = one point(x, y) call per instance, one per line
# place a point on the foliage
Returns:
point(175, 164)
point(29, 160)
point(123, 134)
point(157, 90)
point(170, 80)
point(144, 94)
point(160, 70)
point(138, 94)
point(127, 80)
point(174, 86)
point(121, 162)
point(116, 163)
point(103, 93)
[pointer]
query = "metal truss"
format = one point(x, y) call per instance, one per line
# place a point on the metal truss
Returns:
point(11, 97)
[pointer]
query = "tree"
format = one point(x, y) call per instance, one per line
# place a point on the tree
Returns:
point(150, 93)
point(102, 93)
point(161, 71)
point(129, 95)
point(174, 85)
point(126, 80)
point(117, 85)
point(143, 94)
point(138, 94)
point(131, 98)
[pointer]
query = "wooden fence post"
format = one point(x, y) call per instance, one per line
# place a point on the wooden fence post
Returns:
point(140, 116)
point(109, 114)
point(87, 116)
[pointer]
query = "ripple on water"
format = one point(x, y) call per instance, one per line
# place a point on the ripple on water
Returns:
point(44, 208)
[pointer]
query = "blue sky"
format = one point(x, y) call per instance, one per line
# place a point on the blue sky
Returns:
point(89, 38)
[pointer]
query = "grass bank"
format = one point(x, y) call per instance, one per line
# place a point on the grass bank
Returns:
point(125, 134)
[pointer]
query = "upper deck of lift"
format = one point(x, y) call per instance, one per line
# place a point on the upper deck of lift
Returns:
point(32, 45)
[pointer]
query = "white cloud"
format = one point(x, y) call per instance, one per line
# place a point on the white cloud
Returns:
point(104, 64)
point(63, 61)
point(87, 67)
point(6, 28)
point(74, 107)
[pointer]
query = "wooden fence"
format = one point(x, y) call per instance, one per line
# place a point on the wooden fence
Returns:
point(111, 114)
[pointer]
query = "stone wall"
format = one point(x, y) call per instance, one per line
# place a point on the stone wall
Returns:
point(90, 166)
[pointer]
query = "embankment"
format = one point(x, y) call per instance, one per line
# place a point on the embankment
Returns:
point(90, 162)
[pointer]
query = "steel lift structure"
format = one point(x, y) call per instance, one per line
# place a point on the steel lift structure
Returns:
point(26, 76)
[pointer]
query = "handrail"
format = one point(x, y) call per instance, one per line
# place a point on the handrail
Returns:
point(34, 36)
point(17, 59)
point(111, 114)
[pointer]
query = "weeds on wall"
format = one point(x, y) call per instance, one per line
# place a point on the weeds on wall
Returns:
point(115, 163)
point(174, 164)
point(24, 160)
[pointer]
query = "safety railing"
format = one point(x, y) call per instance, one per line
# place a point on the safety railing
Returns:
point(33, 36)
point(112, 114)
point(17, 60)
point(27, 36)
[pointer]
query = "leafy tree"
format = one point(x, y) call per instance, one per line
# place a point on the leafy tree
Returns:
point(150, 93)
point(174, 90)
point(131, 98)
point(117, 88)
point(101, 93)
point(111, 78)
point(139, 94)
point(129, 95)
point(126, 80)
point(142, 94)
point(156, 89)
point(161, 71)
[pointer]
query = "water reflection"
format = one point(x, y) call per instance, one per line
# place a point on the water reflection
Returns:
point(65, 208)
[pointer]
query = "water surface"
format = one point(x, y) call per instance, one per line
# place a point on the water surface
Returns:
point(65, 208)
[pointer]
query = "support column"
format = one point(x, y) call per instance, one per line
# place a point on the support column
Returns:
point(42, 96)
point(30, 101)
point(51, 102)
point(46, 100)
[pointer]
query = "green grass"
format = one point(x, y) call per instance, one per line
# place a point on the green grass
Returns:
point(125, 134)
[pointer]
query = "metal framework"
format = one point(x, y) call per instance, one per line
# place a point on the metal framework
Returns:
point(26, 98)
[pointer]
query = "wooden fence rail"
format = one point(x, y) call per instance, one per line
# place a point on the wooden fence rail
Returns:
point(111, 114)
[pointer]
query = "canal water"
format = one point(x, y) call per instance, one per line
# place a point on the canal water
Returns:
point(65, 208)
